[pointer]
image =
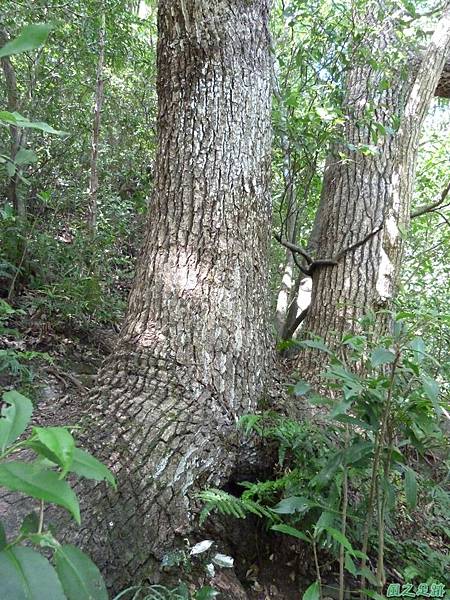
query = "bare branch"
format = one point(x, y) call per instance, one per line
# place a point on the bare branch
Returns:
point(431, 207)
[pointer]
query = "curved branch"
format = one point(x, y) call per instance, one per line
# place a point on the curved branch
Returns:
point(323, 262)
point(431, 207)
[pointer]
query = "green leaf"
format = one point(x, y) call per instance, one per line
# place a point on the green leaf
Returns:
point(340, 538)
point(342, 418)
point(206, 593)
point(301, 388)
point(356, 452)
point(26, 575)
point(79, 576)
point(287, 529)
point(316, 344)
point(431, 390)
point(39, 483)
point(417, 345)
point(25, 157)
point(44, 540)
point(411, 488)
point(19, 121)
point(11, 169)
point(381, 356)
point(374, 595)
point(30, 524)
point(60, 443)
point(313, 592)
point(31, 37)
point(3, 540)
point(368, 575)
point(86, 465)
point(14, 418)
point(350, 565)
point(340, 408)
point(328, 471)
point(7, 117)
point(289, 506)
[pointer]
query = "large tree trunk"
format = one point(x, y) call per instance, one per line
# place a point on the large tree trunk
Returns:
point(194, 352)
point(367, 195)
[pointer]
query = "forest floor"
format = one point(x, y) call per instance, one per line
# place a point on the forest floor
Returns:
point(62, 375)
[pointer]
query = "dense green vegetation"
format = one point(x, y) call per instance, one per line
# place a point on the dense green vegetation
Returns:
point(360, 477)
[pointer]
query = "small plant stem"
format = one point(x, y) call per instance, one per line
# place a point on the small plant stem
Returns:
point(41, 517)
point(381, 577)
point(13, 448)
point(344, 523)
point(316, 562)
point(379, 443)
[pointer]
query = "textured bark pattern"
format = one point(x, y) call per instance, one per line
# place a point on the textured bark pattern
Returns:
point(194, 351)
point(369, 193)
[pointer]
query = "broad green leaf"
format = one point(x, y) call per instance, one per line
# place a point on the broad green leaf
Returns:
point(301, 388)
point(206, 593)
point(313, 592)
point(374, 595)
point(85, 465)
point(7, 117)
point(11, 169)
point(14, 418)
point(342, 418)
point(316, 344)
point(282, 528)
point(411, 488)
point(39, 483)
point(340, 538)
point(31, 37)
point(18, 120)
point(431, 390)
point(25, 157)
point(79, 576)
point(350, 565)
point(419, 349)
point(60, 443)
point(289, 506)
point(356, 452)
point(368, 575)
point(381, 356)
point(45, 458)
point(44, 540)
point(3, 540)
point(325, 520)
point(328, 471)
point(340, 408)
point(26, 575)
point(30, 524)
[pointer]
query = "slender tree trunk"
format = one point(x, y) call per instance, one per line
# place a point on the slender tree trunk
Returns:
point(95, 140)
point(289, 226)
point(194, 352)
point(367, 190)
point(9, 73)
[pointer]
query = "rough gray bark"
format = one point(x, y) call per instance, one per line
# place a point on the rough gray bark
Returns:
point(368, 196)
point(194, 351)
